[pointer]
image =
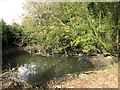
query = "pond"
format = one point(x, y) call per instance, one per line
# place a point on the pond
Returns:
point(36, 69)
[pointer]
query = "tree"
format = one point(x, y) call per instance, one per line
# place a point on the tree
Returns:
point(72, 27)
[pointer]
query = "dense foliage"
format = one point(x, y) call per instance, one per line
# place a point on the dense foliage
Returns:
point(11, 35)
point(68, 27)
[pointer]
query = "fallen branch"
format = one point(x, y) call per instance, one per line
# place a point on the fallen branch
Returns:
point(9, 79)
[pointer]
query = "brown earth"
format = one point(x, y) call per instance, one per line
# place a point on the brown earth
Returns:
point(107, 78)
point(105, 75)
point(101, 62)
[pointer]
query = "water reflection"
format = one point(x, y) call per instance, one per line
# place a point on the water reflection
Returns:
point(36, 69)
point(27, 69)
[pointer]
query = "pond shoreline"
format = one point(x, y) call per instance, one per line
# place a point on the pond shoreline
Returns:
point(33, 50)
point(62, 82)
point(99, 61)
point(107, 78)
point(12, 50)
point(95, 58)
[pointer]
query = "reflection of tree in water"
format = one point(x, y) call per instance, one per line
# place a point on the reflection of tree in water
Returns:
point(27, 70)
point(39, 72)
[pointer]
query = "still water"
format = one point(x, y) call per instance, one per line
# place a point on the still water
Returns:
point(36, 69)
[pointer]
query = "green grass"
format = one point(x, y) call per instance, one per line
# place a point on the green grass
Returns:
point(109, 67)
point(95, 72)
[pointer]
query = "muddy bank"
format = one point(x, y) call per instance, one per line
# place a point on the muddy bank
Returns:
point(102, 61)
point(107, 78)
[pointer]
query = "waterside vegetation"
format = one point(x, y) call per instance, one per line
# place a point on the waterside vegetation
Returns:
point(67, 28)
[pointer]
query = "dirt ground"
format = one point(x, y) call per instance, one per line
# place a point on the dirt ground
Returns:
point(107, 78)
point(105, 75)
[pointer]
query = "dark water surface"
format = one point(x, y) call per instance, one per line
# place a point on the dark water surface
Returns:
point(37, 69)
